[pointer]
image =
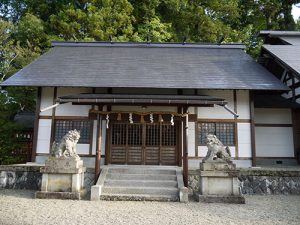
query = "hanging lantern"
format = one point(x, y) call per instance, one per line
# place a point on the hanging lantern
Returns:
point(107, 121)
point(172, 120)
point(119, 117)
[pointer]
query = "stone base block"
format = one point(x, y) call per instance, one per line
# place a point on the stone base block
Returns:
point(213, 166)
point(220, 199)
point(57, 195)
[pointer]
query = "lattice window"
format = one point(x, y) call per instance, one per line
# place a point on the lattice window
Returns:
point(63, 126)
point(134, 134)
point(152, 134)
point(118, 134)
point(224, 131)
point(168, 135)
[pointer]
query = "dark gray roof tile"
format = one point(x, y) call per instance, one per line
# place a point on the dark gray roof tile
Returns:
point(143, 66)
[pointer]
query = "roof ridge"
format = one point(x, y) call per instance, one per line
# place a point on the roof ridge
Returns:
point(144, 44)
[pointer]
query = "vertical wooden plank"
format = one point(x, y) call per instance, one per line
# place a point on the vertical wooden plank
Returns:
point(253, 144)
point(53, 119)
point(36, 124)
point(235, 125)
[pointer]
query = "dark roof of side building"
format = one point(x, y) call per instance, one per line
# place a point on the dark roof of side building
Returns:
point(284, 46)
point(281, 37)
point(287, 55)
point(144, 65)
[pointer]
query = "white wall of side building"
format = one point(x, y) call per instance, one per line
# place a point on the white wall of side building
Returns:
point(274, 133)
point(242, 152)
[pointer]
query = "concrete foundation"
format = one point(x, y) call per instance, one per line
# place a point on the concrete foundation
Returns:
point(219, 183)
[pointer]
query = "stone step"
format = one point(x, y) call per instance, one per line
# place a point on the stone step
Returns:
point(140, 190)
point(140, 183)
point(141, 171)
point(139, 197)
point(119, 176)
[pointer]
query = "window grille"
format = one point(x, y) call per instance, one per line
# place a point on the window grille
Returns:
point(63, 126)
point(224, 131)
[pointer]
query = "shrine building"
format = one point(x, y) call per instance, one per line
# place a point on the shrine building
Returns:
point(154, 103)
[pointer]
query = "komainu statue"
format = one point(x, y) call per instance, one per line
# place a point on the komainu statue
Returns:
point(66, 148)
point(217, 152)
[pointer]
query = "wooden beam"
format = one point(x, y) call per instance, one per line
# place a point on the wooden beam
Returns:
point(253, 144)
point(295, 85)
point(36, 124)
point(294, 97)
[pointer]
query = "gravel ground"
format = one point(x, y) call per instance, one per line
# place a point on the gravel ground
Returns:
point(19, 207)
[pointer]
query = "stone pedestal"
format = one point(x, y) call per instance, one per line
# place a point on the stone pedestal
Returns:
point(63, 178)
point(219, 183)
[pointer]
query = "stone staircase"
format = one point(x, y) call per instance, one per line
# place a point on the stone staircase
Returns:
point(140, 183)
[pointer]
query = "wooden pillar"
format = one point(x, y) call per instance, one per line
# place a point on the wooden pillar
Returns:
point(253, 145)
point(36, 124)
point(53, 119)
point(98, 145)
point(185, 151)
point(107, 140)
point(236, 137)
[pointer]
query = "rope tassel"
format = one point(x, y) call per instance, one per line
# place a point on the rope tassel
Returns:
point(107, 121)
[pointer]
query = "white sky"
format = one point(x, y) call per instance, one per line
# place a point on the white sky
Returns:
point(296, 12)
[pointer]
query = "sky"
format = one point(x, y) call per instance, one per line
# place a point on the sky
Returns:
point(296, 12)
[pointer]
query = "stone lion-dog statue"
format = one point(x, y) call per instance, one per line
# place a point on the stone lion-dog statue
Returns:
point(217, 152)
point(66, 148)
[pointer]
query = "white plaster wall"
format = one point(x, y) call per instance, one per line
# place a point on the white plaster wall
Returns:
point(46, 100)
point(244, 139)
point(72, 110)
point(216, 112)
point(202, 151)
point(273, 116)
point(83, 149)
point(243, 107)
point(274, 142)
point(191, 139)
point(44, 135)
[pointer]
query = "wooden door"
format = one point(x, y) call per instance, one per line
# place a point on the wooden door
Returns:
point(143, 144)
